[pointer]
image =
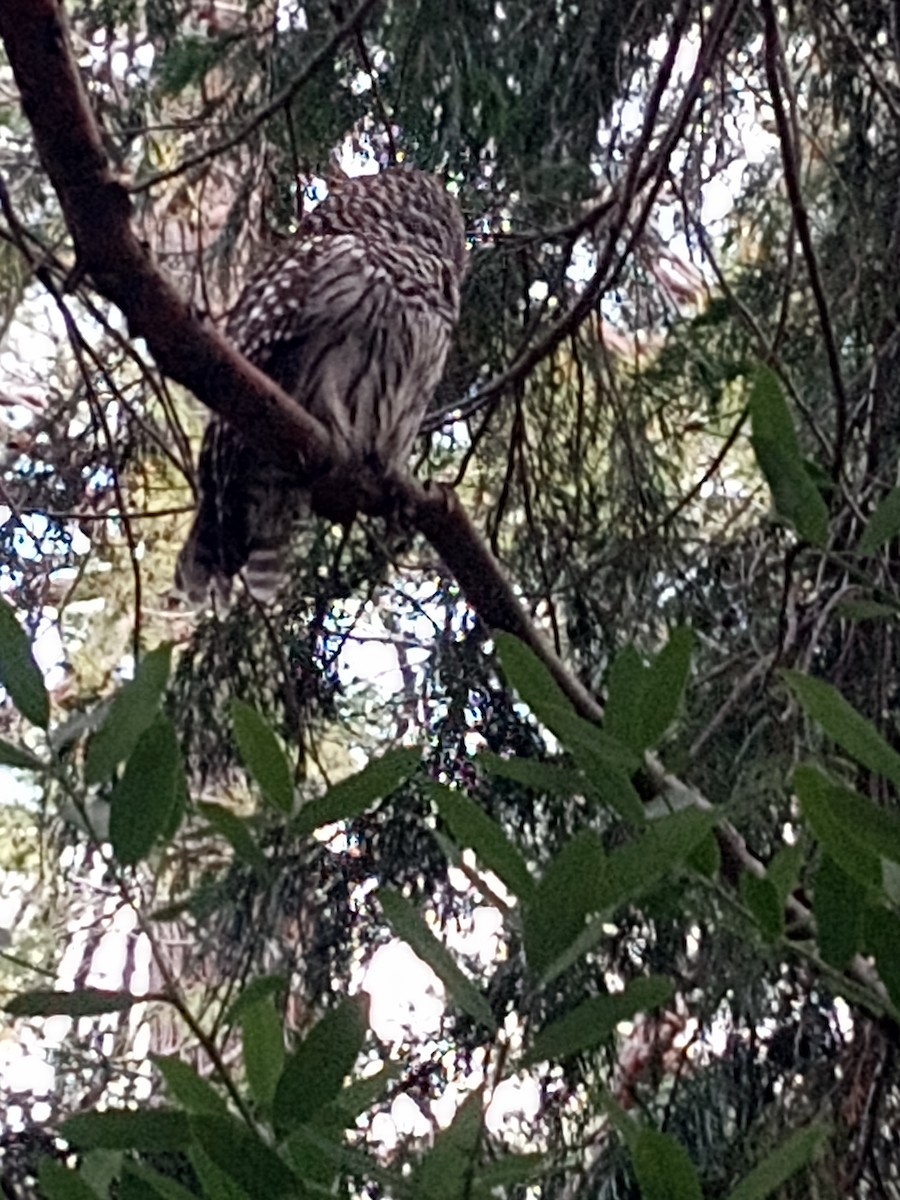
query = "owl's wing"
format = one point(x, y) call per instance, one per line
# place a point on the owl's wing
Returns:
point(357, 330)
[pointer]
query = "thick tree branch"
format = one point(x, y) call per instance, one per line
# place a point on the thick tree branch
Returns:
point(98, 211)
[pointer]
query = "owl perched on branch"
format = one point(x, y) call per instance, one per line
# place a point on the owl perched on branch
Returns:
point(353, 317)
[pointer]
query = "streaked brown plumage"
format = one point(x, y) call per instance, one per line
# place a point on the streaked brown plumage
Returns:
point(354, 318)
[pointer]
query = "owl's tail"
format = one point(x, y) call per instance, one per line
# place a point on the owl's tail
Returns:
point(252, 546)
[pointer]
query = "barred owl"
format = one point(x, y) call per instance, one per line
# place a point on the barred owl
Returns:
point(353, 318)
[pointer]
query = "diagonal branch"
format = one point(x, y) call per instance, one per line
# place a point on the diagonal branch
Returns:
point(98, 211)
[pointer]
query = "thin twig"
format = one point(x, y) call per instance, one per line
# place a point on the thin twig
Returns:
point(280, 100)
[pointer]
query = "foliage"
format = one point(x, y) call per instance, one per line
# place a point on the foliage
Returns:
point(672, 411)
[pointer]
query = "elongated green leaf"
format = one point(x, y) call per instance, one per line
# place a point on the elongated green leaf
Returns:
point(445, 1171)
point(784, 869)
point(706, 857)
point(589, 745)
point(844, 724)
point(161, 1186)
point(575, 883)
point(875, 828)
point(613, 788)
point(314, 1074)
point(623, 715)
point(192, 1092)
point(595, 1020)
point(63, 1183)
point(143, 800)
point(359, 1096)
point(539, 776)
point(838, 903)
point(472, 828)
point(792, 1155)
point(666, 845)
point(263, 1039)
point(263, 756)
point(815, 792)
point(509, 1170)
point(881, 936)
point(86, 1002)
point(245, 1159)
point(235, 830)
point(408, 925)
point(774, 441)
point(17, 756)
point(128, 1129)
point(265, 986)
point(664, 683)
point(311, 1147)
point(132, 710)
point(351, 797)
point(663, 1169)
point(883, 525)
point(761, 897)
point(19, 673)
point(214, 1182)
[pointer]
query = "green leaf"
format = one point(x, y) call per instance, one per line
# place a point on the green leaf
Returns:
point(838, 903)
point(352, 797)
point(663, 1169)
point(791, 1156)
point(312, 1150)
point(263, 1040)
point(761, 897)
point(623, 716)
point(596, 1019)
point(408, 925)
point(214, 1182)
point(472, 828)
point(667, 844)
point(236, 831)
point(19, 673)
point(259, 989)
point(17, 756)
point(143, 800)
point(314, 1074)
point(245, 1159)
point(591, 748)
point(445, 1171)
point(664, 684)
point(612, 787)
point(509, 1170)
point(262, 755)
point(160, 1185)
point(815, 792)
point(532, 773)
point(883, 525)
point(193, 1093)
point(881, 937)
point(86, 1002)
point(62, 1183)
point(876, 828)
point(128, 1129)
point(774, 442)
point(132, 710)
point(359, 1095)
point(575, 883)
point(706, 857)
point(784, 869)
point(844, 724)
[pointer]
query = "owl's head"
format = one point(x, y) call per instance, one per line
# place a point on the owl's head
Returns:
point(402, 204)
